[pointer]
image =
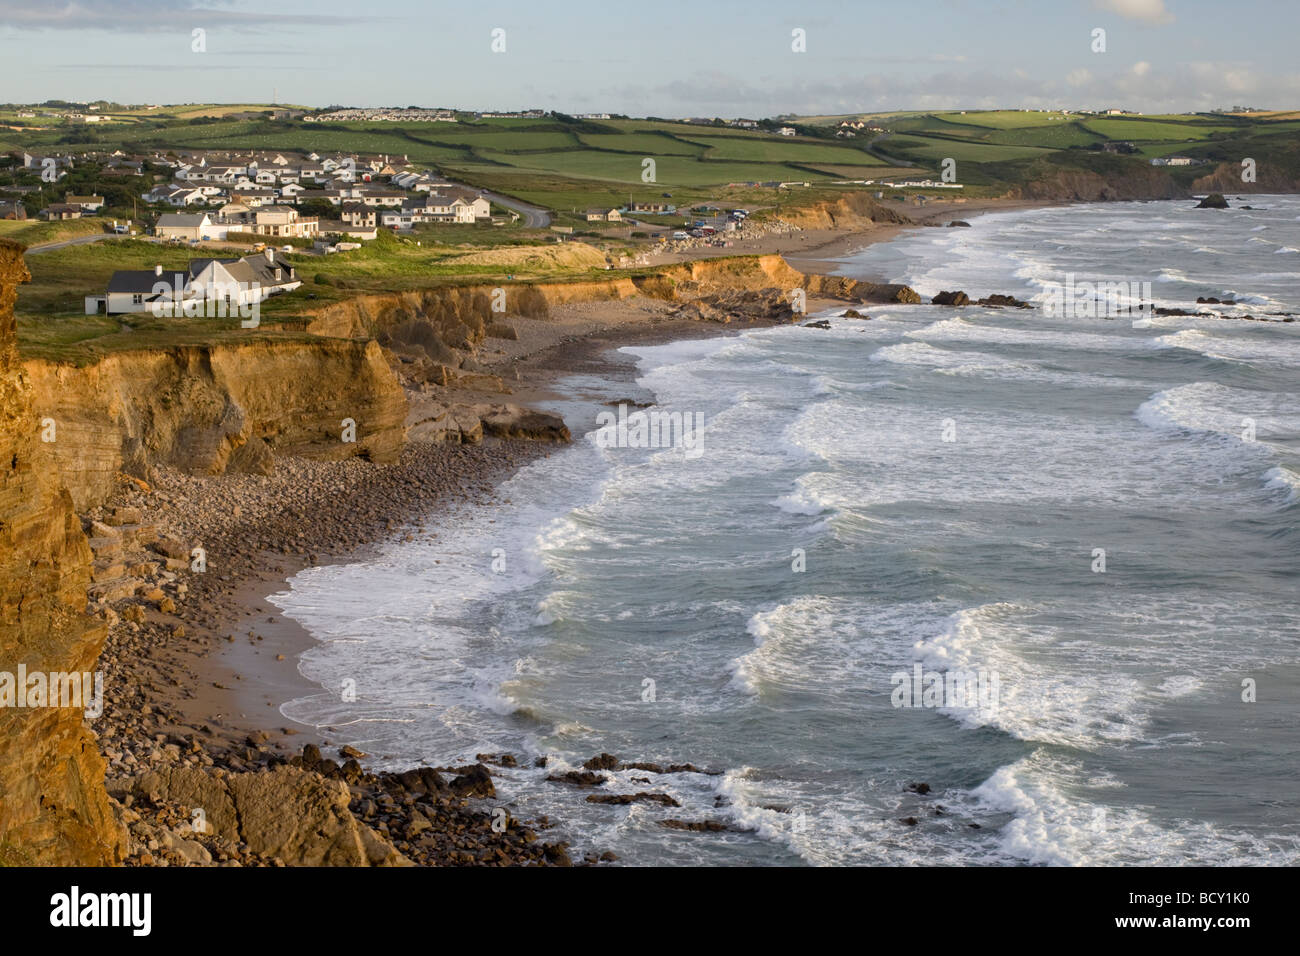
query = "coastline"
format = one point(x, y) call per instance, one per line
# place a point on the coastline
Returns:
point(208, 680)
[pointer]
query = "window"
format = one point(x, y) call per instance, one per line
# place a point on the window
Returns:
point(137, 298)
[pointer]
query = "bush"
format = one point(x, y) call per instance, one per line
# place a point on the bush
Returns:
point(323, 279)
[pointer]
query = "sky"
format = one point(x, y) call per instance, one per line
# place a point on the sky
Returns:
point(670, 58)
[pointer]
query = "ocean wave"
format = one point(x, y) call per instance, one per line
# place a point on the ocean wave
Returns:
point(944, 360)
point(1284, 480)
point(1232, 349)
point(1213, 409)
point(1051, 825)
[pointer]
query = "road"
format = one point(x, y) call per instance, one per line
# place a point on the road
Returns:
point(535, 217)
point(81, 241)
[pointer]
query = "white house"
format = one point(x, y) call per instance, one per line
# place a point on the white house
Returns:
point(180, 225)
point(230, 282)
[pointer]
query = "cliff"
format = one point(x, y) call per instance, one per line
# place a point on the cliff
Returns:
point(850, 211)
point(210, 409)
point(53, 808)
point(1071, 184)
point(456, 318)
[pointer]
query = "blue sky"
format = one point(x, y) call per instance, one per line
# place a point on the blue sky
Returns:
point(659, 57)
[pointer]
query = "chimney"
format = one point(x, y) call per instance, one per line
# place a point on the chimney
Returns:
point(157, 270)
point(270, 255)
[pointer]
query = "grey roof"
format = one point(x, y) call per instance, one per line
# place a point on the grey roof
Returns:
point(182, 218)
point(249, 270)
point(142, 281)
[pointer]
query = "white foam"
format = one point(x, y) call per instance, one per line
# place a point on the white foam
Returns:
point(1284, 480)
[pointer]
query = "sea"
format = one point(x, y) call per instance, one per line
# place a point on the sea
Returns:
point(936, 585)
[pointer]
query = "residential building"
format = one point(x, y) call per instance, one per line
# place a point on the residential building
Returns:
point(232, 282)
point(359, 214)
point(87, 203)
point(59, 210)
point(282, 221)
point(187, 226)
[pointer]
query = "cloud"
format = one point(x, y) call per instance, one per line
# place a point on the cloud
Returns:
point(1148, 11)
point(142, 16)
point(1141, 68)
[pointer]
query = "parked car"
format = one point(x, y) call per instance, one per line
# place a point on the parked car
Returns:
point(680, 235)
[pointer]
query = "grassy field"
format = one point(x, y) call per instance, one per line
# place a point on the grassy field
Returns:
point(934, 150)
point(570, 165)
point(33, 232)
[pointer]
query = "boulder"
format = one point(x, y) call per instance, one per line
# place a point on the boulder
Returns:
point(998, 300)
point(476, 782)
point(1213, 201)
point(602, 761)
point(950, 298)
point(251, 808)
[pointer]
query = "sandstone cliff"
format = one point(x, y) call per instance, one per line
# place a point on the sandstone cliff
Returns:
point(211, 409)
point(851, 211)
point(53, 808)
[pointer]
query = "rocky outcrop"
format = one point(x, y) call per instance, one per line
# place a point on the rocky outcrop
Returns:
point(950, 298)
point(212, 409)
point(53, 808)
point(432, 419)
point(1213, 201)
point(250, 808)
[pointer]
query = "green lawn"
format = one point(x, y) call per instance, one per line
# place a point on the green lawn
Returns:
point(32, 232)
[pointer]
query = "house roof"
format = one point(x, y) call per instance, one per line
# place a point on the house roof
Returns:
point(138, 281)
point(249, 270)
point(182, 219)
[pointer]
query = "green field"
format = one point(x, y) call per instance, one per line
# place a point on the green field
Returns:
point(935, 150)
point(1155, 130)
point(566, 164)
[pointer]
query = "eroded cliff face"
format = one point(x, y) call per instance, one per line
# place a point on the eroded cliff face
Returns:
point(1081, 185)
point(53, 808)
point(436, 332)
point(208, 410)
point(1226, 179)
point(850, 211)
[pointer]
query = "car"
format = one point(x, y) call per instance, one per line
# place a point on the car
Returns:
point(286, 248)
point(680, 235)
